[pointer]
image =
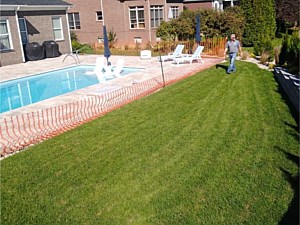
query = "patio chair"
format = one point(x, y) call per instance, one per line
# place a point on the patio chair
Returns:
point(98, 67)
point(171, 56)
point(190, 58)
point(119, 68)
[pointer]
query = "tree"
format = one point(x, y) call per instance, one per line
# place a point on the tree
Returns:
point(287, 13)
point(209, 20)
point(166, 31)
point(185, 28)
point(234, 21)
point(213, 23)
point(181, 28)
point(260, 20)
point(290, 51)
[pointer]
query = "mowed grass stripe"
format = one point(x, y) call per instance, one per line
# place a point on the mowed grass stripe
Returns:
point(207, 150)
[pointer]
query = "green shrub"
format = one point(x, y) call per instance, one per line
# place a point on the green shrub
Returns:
point(73, 36)
point(264, 46)
point(271, 66)
point(234, 21)
point(166, 31)
point(289, 54)
point(260, 20)
point(74, 41)
point(112, 38)
point(76, 45)
point(213, 23)
point(86, 49)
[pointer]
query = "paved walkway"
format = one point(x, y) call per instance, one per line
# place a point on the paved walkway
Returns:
point(152, 69)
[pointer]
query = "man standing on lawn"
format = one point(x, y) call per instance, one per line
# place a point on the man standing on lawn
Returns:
point(233, 46)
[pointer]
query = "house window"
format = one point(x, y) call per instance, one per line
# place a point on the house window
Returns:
point(74, 21)
point(23, 30)
point(137, 40)
point(175, 11)
point(137, 18)
point(5, 36)
point(156, 13)
point(99, 16)
point(57, 28)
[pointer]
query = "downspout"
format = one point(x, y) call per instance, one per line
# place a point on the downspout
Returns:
point(149, 18)
point(70, 41)
point(166, 10)
point(125, 18)
point(19, 33)
point(102, 12)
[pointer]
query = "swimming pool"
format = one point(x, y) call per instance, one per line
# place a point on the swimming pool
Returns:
point(21, 92)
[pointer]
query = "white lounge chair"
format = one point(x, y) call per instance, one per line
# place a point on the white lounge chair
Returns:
point(191, 58)
point(111, 72)
point(119, 68)
point(107, 72)
point(98, 67)
point(171, 56)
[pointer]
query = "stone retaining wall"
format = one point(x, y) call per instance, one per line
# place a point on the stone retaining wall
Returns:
point(289, 86)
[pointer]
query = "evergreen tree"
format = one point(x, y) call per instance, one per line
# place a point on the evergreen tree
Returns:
point(260, 21)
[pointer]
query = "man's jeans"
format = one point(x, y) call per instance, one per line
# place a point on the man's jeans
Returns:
point(231, 67)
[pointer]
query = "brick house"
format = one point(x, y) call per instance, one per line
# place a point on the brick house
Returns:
point(209, 4)
point(132, 21)
point(26, 21)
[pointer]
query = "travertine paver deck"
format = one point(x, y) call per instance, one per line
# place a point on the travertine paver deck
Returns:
point(152, 69)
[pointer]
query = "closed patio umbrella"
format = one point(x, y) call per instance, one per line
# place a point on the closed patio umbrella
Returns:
point(107, 53)
point(197, 36)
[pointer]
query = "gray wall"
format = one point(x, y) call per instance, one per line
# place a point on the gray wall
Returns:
point(39, 26)
point(13, 56)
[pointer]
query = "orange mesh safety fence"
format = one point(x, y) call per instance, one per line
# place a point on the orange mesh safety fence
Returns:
point(20, 131)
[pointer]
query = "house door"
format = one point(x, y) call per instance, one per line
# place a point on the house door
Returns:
point(23, 30)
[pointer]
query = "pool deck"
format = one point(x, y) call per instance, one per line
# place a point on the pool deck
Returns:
point(152, 69)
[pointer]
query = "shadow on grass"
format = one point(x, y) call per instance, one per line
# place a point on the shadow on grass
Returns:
point(296, 135)
point(286, 99)
point(222, 67)
point(291, 217)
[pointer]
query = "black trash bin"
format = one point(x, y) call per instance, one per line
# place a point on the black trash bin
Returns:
point(51, 49)
point(34, 51)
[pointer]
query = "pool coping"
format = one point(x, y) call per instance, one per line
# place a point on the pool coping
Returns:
point(151, 66)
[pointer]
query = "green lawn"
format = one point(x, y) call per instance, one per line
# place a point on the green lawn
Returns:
point(211, 149)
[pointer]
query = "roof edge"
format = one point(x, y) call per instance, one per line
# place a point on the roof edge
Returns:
point(33, 7)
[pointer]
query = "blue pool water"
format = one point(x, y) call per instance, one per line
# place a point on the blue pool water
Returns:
point(21, 92)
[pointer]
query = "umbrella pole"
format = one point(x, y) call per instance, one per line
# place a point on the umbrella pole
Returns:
point(162, 70)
